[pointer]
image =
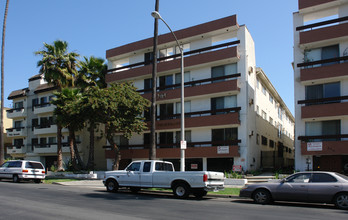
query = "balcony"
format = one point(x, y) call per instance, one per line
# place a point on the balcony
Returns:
point(16, 132)
point(16, 113)
point(325, 33)
point(49, 148)
point(324, 145)
point(229, 116)
point(327, 107)
point(192, 58)
point(322, 69)
point(48, 129)
point(16, 150)
point(169, 151)
point(44, 108)
point(227, 83)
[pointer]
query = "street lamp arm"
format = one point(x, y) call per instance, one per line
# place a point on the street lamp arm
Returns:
point(155, 14)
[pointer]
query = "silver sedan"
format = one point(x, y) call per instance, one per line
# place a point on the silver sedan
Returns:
point(315, 187)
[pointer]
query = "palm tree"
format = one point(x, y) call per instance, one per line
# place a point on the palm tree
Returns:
point(91, 75)
point(2, 150)
point(68, 115)
point(59, 69)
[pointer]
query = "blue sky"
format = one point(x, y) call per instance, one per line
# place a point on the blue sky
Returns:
point(93, 26)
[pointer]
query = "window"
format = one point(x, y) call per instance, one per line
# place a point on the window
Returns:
point(280, 113)
point(147, 166)
point(52, 140)
point(187, 136)
point(223, 103)
point(18, 105)
point(263, 140)
point(271, 120)
point(187, 108)
point(134, 166)
point(159, 166)
point(271, 143)
point(224, 134)
point(258, 83)
point(147, 85)
point(219, 71)
point(319, 128)
point(323, 178)
point(34, 102)
point(264, 115)
point(178, 78)
point(257, 139)
point(271, 98)
point(323, 53)
point(166, 139)
point(34, 123)
point(33, 165)
point(165, 81)
point(34, 142)
point(257, 109)
point(18, 143)
point(148, 57)
point(264, 90)
point(327, 90)
point(299, 178)
point(121, 140)
point(18, 125)
point(166, 111)
point(43, 101)
point(43, 142)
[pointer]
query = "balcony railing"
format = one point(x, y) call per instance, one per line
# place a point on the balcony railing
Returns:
point(200, 113)
point(323, 23)
point(177, 145)
point(315, 138)
point(14, 129)
point(15, 110)
point(323, 100)
point(321, 62)
point(189, 53)
point(193, 83)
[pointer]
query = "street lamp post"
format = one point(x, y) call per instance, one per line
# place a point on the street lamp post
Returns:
point(156, 15)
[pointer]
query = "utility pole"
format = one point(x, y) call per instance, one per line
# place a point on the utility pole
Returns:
point(152, 150)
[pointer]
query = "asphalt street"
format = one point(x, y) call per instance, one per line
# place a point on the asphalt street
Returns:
point(50, 201)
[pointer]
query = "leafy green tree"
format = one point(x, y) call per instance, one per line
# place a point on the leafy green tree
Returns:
point(68, 115)
point(120, 108)
point(91, 75)
point(60, 69)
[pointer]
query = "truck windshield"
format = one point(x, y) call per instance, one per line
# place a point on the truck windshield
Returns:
point(163, 166)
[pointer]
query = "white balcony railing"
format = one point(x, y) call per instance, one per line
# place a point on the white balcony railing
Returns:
point(44, 109)
point(52, 129)
point(16, 132)
point(16, 150)
point(16, 113)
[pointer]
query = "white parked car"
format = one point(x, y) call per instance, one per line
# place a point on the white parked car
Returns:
point(18, 170)
point(161, 174)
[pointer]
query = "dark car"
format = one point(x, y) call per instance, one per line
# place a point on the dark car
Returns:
point(315, 187)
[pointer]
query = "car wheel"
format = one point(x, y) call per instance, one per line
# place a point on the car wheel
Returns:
point(181, 190)
point(199, 193)
point(15, 179)
point(341, 201)
point(111, 185)
point(262, 196)
point(135, 189)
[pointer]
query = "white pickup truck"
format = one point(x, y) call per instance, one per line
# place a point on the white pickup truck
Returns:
point(161, 174)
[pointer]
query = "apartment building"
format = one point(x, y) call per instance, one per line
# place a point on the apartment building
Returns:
point(234, 118)
point(34, 130)
point(321, 85)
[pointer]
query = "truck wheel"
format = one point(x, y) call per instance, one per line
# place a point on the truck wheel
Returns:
point(181, 190)
point(111, 185)
point(37, 181)
point(15, 179)
point(135, 189)
point(199, 193)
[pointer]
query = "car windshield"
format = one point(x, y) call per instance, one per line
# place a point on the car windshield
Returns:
point(33, 165)
point(342, 176)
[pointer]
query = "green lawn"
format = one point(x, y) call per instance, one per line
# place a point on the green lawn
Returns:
point(51, 180)
point(227, 191)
